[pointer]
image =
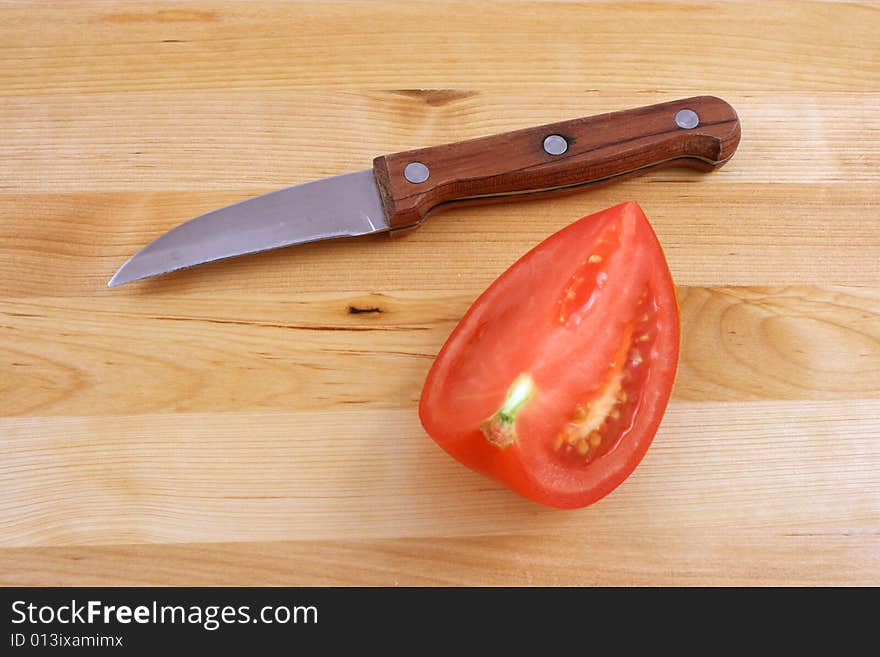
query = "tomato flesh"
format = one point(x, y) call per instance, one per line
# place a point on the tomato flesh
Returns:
point(556, 379)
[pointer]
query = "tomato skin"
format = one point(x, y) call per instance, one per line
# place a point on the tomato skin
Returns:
point(588, 323)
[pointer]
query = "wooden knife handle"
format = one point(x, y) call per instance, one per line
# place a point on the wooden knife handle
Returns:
point(701, 132)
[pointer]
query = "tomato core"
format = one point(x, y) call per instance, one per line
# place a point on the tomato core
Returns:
point(500, 429)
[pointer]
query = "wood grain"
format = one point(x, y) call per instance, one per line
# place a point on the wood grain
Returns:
point(360, 474)
point(254, 421)
point(806, 46)
point(313, 352)
point(738, 558)
point(162, 141)
point(714, 235)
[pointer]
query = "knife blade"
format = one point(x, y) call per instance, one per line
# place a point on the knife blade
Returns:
point(402, 189)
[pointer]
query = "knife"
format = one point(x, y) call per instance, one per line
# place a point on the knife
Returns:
point(402, 189)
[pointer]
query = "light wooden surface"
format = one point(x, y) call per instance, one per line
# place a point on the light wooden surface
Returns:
point(236, 424)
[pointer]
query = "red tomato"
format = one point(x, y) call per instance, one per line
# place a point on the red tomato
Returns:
point(556, 379)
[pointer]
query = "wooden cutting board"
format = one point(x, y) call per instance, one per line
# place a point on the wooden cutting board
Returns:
point(254, 421)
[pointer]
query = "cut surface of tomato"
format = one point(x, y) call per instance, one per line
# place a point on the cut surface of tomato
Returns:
point(556, 379)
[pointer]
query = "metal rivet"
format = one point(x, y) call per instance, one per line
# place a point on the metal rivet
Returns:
point(687, 119)
point(555, 145)
point(416, 172)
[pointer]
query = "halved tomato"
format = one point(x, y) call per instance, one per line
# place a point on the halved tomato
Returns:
point(556, 379)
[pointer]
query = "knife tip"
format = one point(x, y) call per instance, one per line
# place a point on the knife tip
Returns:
point(127, 273)
point(118, 279)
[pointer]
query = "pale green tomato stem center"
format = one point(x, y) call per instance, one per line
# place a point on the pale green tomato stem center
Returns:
point(499, 429)
point(518, 394)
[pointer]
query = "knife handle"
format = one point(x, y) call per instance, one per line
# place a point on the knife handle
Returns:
point(701, 132)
